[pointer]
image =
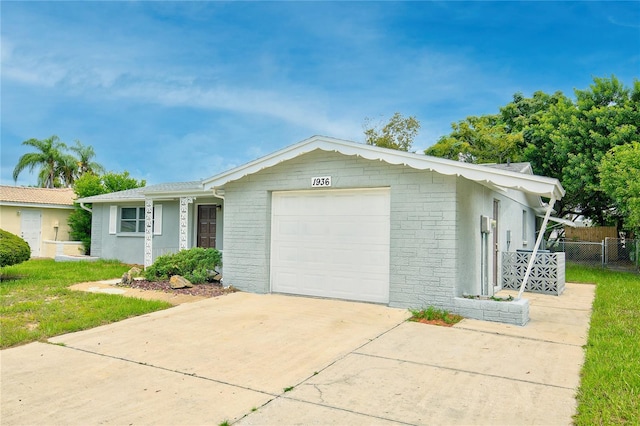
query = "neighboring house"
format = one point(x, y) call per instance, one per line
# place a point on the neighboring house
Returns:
point(39, 216)
point(331, 218)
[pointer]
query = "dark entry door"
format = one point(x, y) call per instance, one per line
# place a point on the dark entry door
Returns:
point(207, 226)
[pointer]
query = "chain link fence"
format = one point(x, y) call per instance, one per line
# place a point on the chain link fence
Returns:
point(611, 253)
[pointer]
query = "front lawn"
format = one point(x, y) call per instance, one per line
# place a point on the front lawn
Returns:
point(36, 304)
point(609, 392)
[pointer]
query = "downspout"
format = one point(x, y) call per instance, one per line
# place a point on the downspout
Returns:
point(218, 195)
point(83, 207)
point(543, 227)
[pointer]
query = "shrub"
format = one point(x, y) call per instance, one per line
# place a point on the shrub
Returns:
point(13, 249)
point(194, 264)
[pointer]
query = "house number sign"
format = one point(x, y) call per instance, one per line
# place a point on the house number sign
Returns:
point(321, 181)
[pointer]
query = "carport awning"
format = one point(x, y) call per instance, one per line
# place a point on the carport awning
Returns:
point(494, 178)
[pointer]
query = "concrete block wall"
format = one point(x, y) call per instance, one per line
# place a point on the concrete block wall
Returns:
point(423, 223)
point(512, 312)
point(247, 237)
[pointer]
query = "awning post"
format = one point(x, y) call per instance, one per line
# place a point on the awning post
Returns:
point(535, 248)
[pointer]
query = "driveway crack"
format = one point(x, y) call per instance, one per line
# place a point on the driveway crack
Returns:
point(183, 373)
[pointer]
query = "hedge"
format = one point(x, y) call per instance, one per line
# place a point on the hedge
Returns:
point(13, 249)
point(196, 264)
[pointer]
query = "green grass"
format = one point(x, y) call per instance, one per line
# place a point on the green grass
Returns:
point(433, 314)
point(36, 304)
point(609, 392)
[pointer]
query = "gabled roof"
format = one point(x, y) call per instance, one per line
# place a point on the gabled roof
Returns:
point(494, 177)
point(24, 196)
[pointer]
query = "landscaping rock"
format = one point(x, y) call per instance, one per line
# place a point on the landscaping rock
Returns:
point(128, 277)
point(178, 281)
point(135, 271)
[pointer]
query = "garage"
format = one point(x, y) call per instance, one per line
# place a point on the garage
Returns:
point(331, 243)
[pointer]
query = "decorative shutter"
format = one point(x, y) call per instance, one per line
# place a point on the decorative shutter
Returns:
point(113, 219)
point(157, 219)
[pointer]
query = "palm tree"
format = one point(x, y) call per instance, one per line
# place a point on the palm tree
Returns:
point(85, 155)
point(48, 158)
point(67, 170)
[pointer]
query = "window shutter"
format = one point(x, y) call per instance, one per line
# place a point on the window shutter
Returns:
point(113, 219)
point(157, 219)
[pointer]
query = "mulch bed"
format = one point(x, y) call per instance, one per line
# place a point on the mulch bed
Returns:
point(202, 290)
point(439, 322)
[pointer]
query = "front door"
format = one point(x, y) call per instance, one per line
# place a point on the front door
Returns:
point(30, 229)
point(207, 226)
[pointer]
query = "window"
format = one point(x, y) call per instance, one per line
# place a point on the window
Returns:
point(132, 219)
point(524, 226)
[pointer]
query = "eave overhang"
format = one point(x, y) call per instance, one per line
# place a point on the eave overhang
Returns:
point(490, 177)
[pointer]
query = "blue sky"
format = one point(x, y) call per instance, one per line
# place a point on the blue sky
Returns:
point(179, 91)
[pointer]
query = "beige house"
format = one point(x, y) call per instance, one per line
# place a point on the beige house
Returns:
point(39, 216)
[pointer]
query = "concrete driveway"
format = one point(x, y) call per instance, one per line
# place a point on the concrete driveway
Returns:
point(273, 359)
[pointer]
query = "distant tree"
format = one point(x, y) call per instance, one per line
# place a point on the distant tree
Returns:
point(620, 179)
point(66, 171)
point(85, 155)
point(13, 249)
point(398, 133)
point(88, 185)
point(47, 157)
point(58, 168)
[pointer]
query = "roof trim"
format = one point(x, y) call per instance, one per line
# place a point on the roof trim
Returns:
point(533, 184)
point(159, 191)
point(36, 205)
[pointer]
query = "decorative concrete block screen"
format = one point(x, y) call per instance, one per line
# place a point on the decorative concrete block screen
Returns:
point(547, 275)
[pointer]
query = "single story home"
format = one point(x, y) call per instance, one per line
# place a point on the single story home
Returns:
point(332, 218)
point(39, 216)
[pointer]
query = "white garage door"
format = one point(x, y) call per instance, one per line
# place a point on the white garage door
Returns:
point(331, 243)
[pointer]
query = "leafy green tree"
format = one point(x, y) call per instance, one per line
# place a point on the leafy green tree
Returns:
point(569, 139)
point(483, 139)
point(88, 185)
point(620, 178)
point(48, 156)
point(560, 137)
point(398, 133)
point(114, 182)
